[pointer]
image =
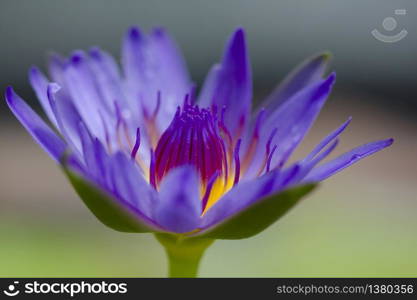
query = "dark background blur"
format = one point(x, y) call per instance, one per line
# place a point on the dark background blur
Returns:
point(360, 223)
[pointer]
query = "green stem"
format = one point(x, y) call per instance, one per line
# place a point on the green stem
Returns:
point(184, 254)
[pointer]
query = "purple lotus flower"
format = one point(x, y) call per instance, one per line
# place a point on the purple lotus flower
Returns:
point(148, 155)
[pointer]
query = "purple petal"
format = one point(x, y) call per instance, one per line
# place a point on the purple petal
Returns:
point(56, 67)
point(41, 132)
point(107, 76)
point(249, 192)
point(39, 84)
point(154, 64)
point(88, 152)
point(122, 184)
point(238, 198)
point(293, 120)
point(94, 161)
point(130, 185)
point(230, 83)
point(296, 116)
point(102, 162)
point(66, 115)
point(179, 206)
point(328, 139)
point(323, 154)
point(345, 160)
point(307, 164)
point(74, 164)
point(134, 63)
point(207, 91)
point(308, 72)
point(85, 96)
point(176, 76)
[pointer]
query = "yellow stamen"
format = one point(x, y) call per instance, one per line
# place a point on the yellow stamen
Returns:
point(220, 187)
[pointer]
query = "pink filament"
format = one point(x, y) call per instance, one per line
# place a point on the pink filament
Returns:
point(137, 144)
point(237, 162)
point(152, 170)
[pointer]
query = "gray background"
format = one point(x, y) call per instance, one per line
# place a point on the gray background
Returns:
point(280, 34)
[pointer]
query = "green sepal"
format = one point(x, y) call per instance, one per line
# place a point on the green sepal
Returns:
point(105, 208)
point(258, 216)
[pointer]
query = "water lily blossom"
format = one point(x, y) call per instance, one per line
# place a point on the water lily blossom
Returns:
point(147, 154)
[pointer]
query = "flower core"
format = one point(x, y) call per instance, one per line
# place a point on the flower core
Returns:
point(197, 137)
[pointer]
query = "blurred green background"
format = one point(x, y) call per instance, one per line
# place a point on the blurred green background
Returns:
point(362, 222)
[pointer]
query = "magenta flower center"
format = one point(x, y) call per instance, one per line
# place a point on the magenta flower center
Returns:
point(193, 137)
